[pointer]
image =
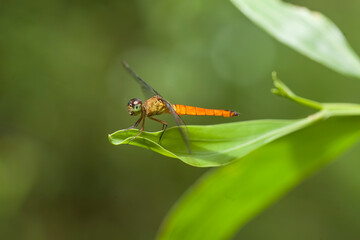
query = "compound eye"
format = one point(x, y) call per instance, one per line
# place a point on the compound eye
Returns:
point(134, 102)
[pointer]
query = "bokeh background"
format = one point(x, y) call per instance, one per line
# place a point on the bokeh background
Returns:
point(63, 89)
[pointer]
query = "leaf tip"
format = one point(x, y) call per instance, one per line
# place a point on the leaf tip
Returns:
point(110, 138)
point(275, 91)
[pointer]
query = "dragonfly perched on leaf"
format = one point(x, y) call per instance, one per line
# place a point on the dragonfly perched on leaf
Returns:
point(157, 105)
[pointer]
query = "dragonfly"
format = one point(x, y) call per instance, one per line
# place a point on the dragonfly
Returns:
point(157, 105)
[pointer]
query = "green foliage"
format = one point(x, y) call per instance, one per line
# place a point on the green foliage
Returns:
point(308, 32)
point(264, 174)
point(269, 157)
point(226, 198)
point(212, 145)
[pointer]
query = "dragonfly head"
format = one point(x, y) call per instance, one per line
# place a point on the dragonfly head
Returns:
point(134, 106)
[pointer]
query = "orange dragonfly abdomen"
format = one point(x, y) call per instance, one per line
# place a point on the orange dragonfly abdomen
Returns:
point(196, 111)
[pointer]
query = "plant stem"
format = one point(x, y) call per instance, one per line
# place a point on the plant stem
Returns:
point(326, 109)
point(282, 90)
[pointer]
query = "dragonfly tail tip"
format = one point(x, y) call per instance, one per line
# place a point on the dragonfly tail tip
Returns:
point(234, 113)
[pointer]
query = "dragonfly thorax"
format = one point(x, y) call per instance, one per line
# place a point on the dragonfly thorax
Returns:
point(134, 106)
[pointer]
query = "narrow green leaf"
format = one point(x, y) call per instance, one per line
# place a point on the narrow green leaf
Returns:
point(216, 145)
point(308, 32)
point(212, 145)
point(228, 197)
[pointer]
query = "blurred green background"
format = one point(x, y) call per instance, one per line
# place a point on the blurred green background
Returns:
point(63, 89)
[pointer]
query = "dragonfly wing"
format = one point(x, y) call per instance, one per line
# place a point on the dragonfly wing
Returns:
point(146, 88)
point(181, 124)
point(149, 92)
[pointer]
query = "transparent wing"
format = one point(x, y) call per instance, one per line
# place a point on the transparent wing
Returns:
point(150, 92)
point(146, 88)
point(182, 127)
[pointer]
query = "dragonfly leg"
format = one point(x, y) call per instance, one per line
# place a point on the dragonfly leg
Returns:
point(141, 130)
point(163, 127)
point(136, 124)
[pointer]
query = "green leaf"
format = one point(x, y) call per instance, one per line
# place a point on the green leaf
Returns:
point(228, 197)
point(308, 32)
point(216, 145)
point(212, 145)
